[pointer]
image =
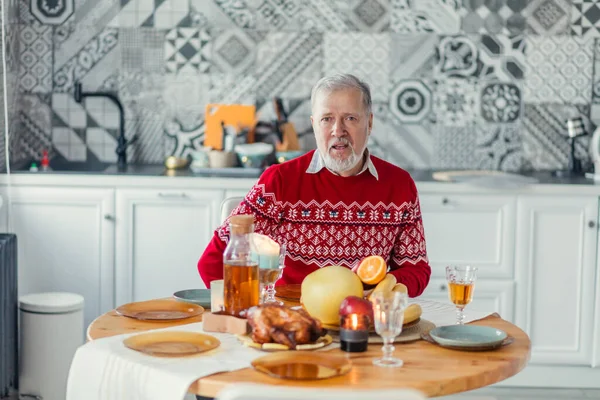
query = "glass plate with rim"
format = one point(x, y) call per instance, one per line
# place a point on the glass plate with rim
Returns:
point(302, 366)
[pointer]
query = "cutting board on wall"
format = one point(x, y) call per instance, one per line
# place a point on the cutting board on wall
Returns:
point(238, 115)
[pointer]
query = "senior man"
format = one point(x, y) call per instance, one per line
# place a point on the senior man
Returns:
point(337, 204)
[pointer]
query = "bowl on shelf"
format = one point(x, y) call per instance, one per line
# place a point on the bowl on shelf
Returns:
point(252, 155)
point(283, 156)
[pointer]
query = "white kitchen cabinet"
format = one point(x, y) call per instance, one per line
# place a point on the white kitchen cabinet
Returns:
point(489, 295)
point(555, 262)
point(65, 242)
point(160, 236)
point(470, 229)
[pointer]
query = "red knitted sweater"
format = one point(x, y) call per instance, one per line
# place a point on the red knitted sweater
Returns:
point(326, 219)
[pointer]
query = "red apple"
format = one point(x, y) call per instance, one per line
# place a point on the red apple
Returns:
point(356, 305)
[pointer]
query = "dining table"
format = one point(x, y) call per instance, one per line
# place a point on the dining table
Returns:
point(429, 368)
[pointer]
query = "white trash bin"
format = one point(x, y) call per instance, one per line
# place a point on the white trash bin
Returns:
point(51, 331)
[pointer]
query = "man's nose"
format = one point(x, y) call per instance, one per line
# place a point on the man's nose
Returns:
point(339, 129)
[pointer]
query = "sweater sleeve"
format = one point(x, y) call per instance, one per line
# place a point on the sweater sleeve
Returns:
point(262, 201)
point(409, 263)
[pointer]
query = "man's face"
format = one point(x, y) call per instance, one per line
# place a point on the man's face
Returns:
point(342, 127)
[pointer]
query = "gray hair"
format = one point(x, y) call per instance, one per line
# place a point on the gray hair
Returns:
point(340, 82)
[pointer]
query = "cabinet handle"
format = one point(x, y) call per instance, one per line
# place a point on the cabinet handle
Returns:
point(109, 217)
point(172, 195)
point(445, 201)
point(591, 224)
point(443, 288)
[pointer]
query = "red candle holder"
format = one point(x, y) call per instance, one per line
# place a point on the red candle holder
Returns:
point(354, 333)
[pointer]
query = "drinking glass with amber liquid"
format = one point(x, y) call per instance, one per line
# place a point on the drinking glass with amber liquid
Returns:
point(240, 271)
point(461, 284)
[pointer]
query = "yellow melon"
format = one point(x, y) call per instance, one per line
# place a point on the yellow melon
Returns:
point(324, 290)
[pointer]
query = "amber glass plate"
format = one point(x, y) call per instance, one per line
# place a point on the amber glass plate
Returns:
point(161, 310)
point(172, 343)
point(302, 366)
point(291, 292)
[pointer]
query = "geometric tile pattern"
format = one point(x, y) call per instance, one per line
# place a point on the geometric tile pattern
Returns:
point(500, 102)
point(544, 136)
point(499, 147)
point(35, 125)
point(160, 14)
point(365, 55)
point(547, 17)
point(187, 50)
point(142, 49)
point(412, 56)
point(50, 12)
point(88, 58)
point(410, 101)
point(441, 16)
point(79, 128)
point(497, 17)
point(407, 145)
point(455, 83)
point(35, 49)
point(457, 56)
point(585, 18)
point(456, 102)
point(502, 57)
point(288, 64)
point(559, 67)
point(454, 146)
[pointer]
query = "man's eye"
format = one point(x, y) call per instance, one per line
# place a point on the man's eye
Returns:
point(352, 118)
point(326, 119)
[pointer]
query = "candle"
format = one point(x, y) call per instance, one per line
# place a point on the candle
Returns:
point(217, 303)
point(354, 333)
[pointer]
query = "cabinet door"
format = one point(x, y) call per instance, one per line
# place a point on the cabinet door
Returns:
point(493, 296)
point(474, 229)
point(555, 263)
point(66, 243)
point(160, 236)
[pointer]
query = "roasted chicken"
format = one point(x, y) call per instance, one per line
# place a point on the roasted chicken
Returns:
point(283, 325)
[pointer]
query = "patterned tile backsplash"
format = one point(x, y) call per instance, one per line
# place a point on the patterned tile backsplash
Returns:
point(455, 84)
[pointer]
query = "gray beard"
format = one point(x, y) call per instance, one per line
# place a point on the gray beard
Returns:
point(339, 166)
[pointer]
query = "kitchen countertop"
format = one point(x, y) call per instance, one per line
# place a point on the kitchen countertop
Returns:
point(156, 170)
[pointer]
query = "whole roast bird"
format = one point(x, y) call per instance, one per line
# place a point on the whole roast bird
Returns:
point(272, 323)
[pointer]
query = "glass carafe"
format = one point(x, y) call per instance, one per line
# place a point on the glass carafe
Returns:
point(240, 272)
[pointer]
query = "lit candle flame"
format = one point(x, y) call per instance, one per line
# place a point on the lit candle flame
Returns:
point(354, 321)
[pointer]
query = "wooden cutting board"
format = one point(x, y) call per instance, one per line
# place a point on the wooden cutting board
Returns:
point(237, 115)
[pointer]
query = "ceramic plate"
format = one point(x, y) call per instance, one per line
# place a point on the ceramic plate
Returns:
point(321, 342)
point(200, 297)
point(468, 336)
point(172, 343)
point(302, 366)
point(162, 310)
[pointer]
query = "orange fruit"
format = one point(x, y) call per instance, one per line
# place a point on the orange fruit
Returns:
point(372, 270)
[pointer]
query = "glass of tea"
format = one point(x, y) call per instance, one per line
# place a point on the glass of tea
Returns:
point(388, 315)
point(270, 271)
point(461, 284)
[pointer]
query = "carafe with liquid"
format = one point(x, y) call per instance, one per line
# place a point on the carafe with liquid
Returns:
point(240, 272)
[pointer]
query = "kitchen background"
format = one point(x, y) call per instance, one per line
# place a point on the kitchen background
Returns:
point(455, 84)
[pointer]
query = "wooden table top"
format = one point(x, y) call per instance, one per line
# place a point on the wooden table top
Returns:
point(427, 367)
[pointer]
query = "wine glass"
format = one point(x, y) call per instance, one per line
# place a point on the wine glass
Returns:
point(461, 284)
point(271, 269)
point(388, 313)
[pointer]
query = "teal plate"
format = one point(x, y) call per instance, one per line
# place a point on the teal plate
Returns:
point(468, 336)
point(200, 297)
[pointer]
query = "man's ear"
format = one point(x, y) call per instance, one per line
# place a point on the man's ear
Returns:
point(370, 123)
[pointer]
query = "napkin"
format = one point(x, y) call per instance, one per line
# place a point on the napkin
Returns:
point(104, 369)
point(442, 314)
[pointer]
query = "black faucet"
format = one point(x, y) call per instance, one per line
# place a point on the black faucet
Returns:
point(122, 143)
